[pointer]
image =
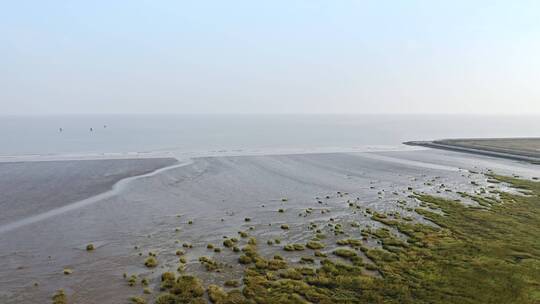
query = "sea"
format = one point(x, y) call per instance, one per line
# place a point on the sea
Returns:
point(205, 133)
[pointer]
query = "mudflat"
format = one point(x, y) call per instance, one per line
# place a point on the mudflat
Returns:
point(285, 228)
point(30, 188)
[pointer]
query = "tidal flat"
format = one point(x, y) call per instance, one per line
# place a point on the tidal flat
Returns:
point(382, 227)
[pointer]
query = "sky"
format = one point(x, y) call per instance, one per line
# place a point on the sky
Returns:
point(290, 56)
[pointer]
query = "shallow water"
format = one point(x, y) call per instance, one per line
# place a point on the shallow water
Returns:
point(217, 193)
point(236, 133)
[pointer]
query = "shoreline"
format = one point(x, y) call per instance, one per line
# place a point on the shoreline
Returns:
point(182, 155)
point(471, 149)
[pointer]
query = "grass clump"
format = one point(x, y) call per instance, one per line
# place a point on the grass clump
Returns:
point(307, 260)
point(344, 253)
point(186, 289)
point(137, 300)
point(217, 295)
point(232, 283)
point(276, 263)
point(167, 280)
point(350, 242)
point(244, 259)
point(229, 243)
point(252, 241)
point(314, 245)
point(319, 254)
point(209, 264)
point(294, 247)
point(168, 276)
point(59, 297)
point(151, 262)
point(132, 280)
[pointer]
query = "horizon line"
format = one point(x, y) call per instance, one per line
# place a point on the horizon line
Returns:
point(271, 114)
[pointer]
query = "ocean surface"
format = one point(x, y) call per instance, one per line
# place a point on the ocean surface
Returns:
point(41, 135)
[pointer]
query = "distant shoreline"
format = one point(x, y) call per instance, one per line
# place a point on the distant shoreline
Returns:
point(522, 149)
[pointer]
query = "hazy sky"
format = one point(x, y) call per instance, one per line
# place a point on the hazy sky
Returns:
point(269, 56)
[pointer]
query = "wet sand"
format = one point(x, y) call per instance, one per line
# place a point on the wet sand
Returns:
point(30, 188)
point(217, 194)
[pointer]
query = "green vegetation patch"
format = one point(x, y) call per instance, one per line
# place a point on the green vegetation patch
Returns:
point(314, 245)
point(186, 289)
point(344, 253)
point(151, 262)
point(137, 300)
point(294, 247)
point(472, 255)
point(488, 253)
point(59, 297)
point(209, 264)
point(475, 255)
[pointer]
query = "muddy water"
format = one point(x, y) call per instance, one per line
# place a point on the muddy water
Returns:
point(151, 213)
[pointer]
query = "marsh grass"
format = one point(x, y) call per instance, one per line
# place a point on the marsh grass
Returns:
point(471, 255)
point(294, 247)
point(475, 255)
point(488, 253)
point(151, 262)
point(59, 297)
point(137, 300)
point(209, 264)
point(314, 245)
point(186, 289)
point(232, 283)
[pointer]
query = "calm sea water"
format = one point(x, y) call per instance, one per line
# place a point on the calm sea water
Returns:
point(23, 135)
